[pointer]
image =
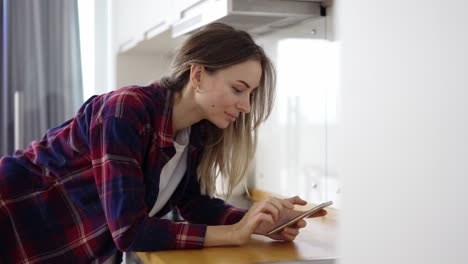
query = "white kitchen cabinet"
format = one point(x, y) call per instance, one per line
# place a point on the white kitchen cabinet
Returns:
point(126, 18)
point(139, 20)
point(182, 5)
point(145, 46)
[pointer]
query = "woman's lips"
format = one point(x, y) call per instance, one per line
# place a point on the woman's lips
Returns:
point(231, 117)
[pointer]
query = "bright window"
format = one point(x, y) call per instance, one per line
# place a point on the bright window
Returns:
point(86, 15)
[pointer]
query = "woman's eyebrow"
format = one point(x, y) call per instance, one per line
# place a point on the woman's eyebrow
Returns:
point(244, 83)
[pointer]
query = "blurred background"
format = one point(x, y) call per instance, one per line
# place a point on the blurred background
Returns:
point(371, 107)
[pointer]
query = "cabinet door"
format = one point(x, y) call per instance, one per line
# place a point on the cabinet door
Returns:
point(157, 16)
point(184, 4)
point(126, 18)
point(137, 20)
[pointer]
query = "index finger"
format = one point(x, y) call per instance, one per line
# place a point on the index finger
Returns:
point(296, 200)
point(281, 203)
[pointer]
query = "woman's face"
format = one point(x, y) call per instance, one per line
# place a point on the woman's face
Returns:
point(224, 94)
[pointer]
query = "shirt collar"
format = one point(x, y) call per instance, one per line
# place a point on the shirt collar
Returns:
point(165, 134)
point(165, 137)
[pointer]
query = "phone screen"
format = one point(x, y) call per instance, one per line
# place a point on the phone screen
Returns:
point(299, 217)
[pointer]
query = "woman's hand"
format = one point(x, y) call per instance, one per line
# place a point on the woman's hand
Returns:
point(288, 233)
point(261, 218)
point(266, 212)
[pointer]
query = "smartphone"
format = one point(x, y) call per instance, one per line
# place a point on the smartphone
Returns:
point(299, 217)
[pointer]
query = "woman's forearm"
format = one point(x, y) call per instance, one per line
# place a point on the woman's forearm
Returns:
point(220, 236)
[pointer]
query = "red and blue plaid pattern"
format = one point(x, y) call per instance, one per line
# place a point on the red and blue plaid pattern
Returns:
point(83, 191)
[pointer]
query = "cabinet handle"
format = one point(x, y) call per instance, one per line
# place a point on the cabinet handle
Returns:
point(182, 13)
point(154, 30)
point(126, 45)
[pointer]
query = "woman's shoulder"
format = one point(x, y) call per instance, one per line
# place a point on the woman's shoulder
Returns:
point(137, 95)
point(133, 103)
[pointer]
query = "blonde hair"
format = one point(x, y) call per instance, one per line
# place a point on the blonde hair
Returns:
point(229, 152)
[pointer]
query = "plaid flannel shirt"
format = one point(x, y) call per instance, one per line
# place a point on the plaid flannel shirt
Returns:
point(84, 191)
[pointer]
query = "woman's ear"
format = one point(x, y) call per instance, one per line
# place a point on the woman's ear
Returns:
point(196, 71)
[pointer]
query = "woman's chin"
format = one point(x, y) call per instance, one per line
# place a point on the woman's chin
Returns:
point(221, 124)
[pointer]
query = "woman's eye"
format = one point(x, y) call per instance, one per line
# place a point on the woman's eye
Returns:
point(237, 90)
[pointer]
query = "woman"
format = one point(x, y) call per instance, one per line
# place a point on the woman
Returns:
point(100, 183)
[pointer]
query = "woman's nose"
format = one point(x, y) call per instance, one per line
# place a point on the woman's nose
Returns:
point(244, 104)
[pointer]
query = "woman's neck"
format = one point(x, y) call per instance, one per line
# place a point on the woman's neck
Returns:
point(184, 110)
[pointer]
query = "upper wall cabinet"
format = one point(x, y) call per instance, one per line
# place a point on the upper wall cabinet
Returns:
point(186, 4)
point(139, 20)
point(257, 17)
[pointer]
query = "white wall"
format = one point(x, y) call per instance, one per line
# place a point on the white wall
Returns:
point(405, 132)
point(141, 69)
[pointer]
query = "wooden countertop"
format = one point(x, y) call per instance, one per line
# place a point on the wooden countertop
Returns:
point(317, 240)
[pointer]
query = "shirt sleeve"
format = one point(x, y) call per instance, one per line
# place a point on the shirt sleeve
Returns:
point(202, 209)
point(117, 148)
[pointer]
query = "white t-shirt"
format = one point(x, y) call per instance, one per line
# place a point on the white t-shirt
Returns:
point(173, 172)
point(171, 175)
